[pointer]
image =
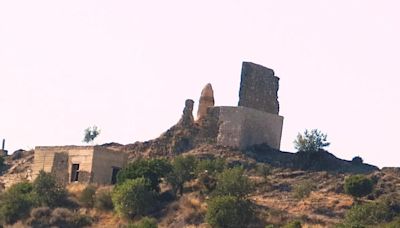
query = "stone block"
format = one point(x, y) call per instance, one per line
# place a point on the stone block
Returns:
point(241, 127)
point(259, 88)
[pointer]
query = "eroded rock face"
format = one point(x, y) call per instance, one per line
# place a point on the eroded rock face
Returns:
point(259, 88)
point(206, 101)
point(187, 116)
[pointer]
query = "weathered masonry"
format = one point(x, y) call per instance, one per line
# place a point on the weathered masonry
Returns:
point(84, 164)
point(256, 119)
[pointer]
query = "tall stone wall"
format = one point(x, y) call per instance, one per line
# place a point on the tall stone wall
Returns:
point(104, 160)
point(259, 88)
point(241, 127)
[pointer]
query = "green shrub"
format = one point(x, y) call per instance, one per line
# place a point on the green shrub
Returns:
point(368, 214)
point(311, 141)
point(145, 222)
point(293, 224)
point(228, 211)
point(207, 181)
point(233, 182)
point(357, 160)
point(103, 200)
point(263, 170)
point(16, 203)
point(87, 196)
point(211, 166)
point(303, 189)
point(358, 186)
point(182, 171)
point(134, 197)
point(59, 217)
point(152, 169)
point(47, 191)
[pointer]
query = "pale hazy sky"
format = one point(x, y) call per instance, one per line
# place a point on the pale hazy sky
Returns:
point(128, 66)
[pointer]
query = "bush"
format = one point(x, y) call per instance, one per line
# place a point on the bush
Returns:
point(303, 189)
point(145, 222)
point(211, 166)
point(367, 214)
point(207, 181)
point(233, 182)
point(229, 211)
point(103, 200)
point(16, 203)
point(357, 160)
point(293, 224)
point(152, 169)
point(182, 171)
point(311, 141)
point(87, 196)
point(134, 197)
point(47, 191)
point(358, 186)
point(263, 170)
point(59, 217)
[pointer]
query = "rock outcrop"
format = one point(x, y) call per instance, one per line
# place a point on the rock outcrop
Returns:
point(259, 88)
point(187, 116)
point(206, 101)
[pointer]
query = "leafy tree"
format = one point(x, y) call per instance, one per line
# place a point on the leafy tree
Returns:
point(233, 182)
point(134, 197)
point(47, 192)
point(358, 186)
point(182, 171)
point(152, 169)
point(229, 212)
point(90, 134)
point(311, 141)
point(16, 203)
point(207, 170)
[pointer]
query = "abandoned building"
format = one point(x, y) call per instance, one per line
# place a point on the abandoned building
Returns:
point(83, 164)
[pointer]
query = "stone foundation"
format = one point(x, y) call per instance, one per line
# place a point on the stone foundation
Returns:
point(241, 127)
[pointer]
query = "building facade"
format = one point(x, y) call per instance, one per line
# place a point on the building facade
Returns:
point(83, 164)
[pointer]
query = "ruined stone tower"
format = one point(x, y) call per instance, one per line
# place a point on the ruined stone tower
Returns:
point(259, 88)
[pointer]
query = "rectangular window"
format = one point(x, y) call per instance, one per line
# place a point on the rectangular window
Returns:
point(75, 172)
point(115, 171)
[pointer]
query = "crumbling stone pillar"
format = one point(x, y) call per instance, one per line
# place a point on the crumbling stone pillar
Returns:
point(187, 115)
point(206, 101)
point(259, 88)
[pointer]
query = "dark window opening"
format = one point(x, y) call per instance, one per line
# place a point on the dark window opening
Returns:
point(115, 171)
point(75, 172)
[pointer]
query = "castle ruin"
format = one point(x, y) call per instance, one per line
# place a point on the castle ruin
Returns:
point(256, 120)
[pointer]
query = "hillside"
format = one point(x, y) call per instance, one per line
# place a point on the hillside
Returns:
point(275, 197)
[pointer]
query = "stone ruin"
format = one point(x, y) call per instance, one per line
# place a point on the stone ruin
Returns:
point(259, 88)
point(206, 101)
point(255, 121)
